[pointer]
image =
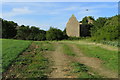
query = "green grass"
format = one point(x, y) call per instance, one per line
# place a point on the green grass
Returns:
point(32, 63)
point(68, 50)
point(0, 58)
point(11, 49)
point(45, 45)
point(82, 71)
point(109, 58)
point(112, 43)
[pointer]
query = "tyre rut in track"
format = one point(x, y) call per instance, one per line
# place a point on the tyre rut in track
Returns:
point(60, 63)
point(92, 62)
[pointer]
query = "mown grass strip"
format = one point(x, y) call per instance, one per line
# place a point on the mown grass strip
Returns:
point(109, 58)
point(11, 50)
point(82, 71)
point(68, 50)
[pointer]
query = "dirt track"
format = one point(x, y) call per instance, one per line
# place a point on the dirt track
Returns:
point(61, 62)
point(92, 62)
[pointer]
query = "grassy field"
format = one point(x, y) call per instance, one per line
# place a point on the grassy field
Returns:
point(39, 59)
point(31, 63)
point(109, 58)
point(11, 49)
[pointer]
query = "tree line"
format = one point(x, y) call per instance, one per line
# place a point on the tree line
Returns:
point(103, 28)
point(11, 30)
point(106, 29)
point(100, 29)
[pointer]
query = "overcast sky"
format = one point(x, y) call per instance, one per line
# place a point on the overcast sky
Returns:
point(56, 14)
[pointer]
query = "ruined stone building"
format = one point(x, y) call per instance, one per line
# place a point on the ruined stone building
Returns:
point(75, 28)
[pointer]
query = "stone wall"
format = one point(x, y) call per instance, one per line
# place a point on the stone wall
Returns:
point(73, 27)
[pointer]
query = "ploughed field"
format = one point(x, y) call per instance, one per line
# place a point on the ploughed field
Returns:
point(58, 59)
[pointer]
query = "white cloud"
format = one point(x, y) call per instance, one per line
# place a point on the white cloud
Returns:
point(70, 8)
point(21, 10)
point(17, 11)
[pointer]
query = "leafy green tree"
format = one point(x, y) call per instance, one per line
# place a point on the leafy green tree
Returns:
point(54, 34)
point(8, 29)
point(108, 31)
point(34, 31)
point(23, 32)
point(0, 27)
point(30, 33)
point(86, 19)
point(65, 34)
point(99, 23)
point(41, 36)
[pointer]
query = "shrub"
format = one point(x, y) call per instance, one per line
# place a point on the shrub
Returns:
point(54, 34)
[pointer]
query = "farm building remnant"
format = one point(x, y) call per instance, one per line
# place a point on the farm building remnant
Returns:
point(78, 29)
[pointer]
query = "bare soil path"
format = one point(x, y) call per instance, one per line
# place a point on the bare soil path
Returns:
point(60, 63)
point(92, 62)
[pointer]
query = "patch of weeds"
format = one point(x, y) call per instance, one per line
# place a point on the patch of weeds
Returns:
point(79, 67)
point(82, 71)
point(38, 67)
point(67, 50)
point(23, 61)
point(45, 46)
point(28, 50)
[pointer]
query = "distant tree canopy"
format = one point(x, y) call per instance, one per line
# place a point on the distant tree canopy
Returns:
point(54, 34)
point(86, 19)
point(65, 34)
point(12, 30)
point(8, 29)
point(0, 27)
point(99, 23)
point(100, 29)
point(106, 29)
point(85, 27)
point(23, 32)
point(30, 33)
